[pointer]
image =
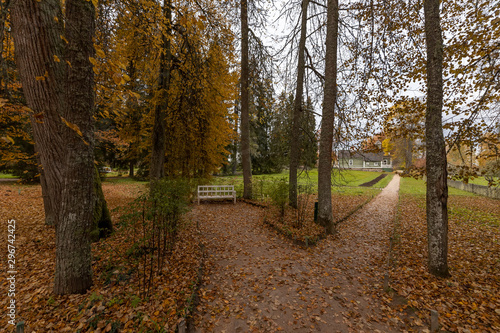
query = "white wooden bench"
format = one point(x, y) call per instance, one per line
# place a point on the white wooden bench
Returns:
point(216, 192)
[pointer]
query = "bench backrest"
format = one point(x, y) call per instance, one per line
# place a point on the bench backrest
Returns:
point(216, 189)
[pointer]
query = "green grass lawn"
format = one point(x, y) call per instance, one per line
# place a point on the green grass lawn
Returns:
point(479, 181)
point(355, 177)
point(383, 182)
point(7, 176)
point(417, 187)
point(342, 178)
point(345, 182)
point(122, 180)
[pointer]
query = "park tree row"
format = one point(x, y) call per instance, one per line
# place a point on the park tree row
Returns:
point(166, 86)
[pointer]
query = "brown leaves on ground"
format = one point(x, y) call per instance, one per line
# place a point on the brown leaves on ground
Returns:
point(299, 225)
point(256, 280)
point(469, 301)
point(259, 281)
point(114, 303)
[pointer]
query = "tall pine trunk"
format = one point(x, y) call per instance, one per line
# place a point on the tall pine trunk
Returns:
point(325, 214)
point(245, 117)
point(297, 109)
point(157, 170)
point(437, 187)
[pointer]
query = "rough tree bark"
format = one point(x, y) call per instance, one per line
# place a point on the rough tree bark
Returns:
point(235, 148)
point(37, 40)
point(58, 84)
point(76, 221)
point(297, 109)
point(4, 77)
point(103, 225)
point(50, 212)
point(325, 214)
point(408, 153)
point(131, 169)
point(156, 169)
point(245, 120)
point(437, 187)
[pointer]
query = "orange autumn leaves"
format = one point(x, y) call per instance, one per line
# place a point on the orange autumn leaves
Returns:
point(469, 299)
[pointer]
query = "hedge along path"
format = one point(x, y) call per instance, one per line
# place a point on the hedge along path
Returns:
point(257, 281)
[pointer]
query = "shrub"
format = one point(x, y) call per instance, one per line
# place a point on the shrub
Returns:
point(279, 194)
point(156, 216)
point(303, 198)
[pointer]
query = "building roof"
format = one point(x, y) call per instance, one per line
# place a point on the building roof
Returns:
point(368, 157)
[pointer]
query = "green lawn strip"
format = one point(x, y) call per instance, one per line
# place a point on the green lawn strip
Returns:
point(417, 187)
point(353, 177)
point(260, 183)
point(467, 215)
point(123, 180)
point(479, 211)
point(458, 208)
point(7, 176)
point(383, 182)
point(479, 181)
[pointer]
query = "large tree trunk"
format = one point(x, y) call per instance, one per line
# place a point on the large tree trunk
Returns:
point(37, 40)
point(73, 252)
point(103, 226)
point(325, 215)
point(4, 77)
point(245, 118)
point(48, 205)
point(157, 169)
point(408, 153)
point(437, 188)
point(235, 147)
point(297, 109)
point(131, 169)
point(58, 84)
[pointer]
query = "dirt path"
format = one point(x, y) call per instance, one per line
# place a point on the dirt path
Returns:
point(256, 281)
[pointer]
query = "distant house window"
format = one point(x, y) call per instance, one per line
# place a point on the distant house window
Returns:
point(350, 162)
point(367, 163)
point(375, 163)
point(384, 162)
